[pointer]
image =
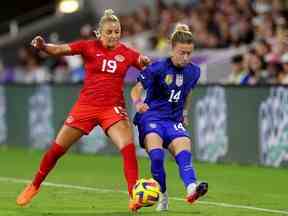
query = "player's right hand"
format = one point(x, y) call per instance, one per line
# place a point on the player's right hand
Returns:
point(141, 107)
point(38, 43)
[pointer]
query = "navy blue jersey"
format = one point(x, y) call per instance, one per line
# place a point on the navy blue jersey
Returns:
point(166, 88)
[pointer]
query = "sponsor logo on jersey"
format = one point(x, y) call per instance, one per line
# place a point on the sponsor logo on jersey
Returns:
point(168, 79)
point(119, 58)
point(179, 80)
point(70, 119)
point(152, 125)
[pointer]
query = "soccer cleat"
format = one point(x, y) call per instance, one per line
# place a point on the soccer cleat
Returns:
point(134, 206)
point(163, 202)
point(198, 192)
point(27, 195)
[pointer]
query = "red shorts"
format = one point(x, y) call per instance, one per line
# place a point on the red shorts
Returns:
point(86, 117)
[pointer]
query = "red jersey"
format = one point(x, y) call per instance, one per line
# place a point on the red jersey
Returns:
point(105, 71)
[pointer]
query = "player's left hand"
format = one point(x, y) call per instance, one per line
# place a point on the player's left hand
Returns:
point(185, 118)
point(144, 60)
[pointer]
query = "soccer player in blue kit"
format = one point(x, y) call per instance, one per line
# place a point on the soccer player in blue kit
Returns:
point(168, 84)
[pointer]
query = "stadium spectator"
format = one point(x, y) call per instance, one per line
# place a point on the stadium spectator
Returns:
point(238, 70)
point(257, 72)
point(30, 70)
point(274, 68)
point(262, 48)
point(283, 76)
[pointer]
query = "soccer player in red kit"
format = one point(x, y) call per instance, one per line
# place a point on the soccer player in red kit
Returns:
point(101, 100)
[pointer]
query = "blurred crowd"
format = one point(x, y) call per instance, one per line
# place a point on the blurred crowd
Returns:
point(36, 67)
point(215, 24)
point(259, 25)
point(261, 64)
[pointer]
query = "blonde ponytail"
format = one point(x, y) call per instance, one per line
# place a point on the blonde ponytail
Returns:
point(108, 16)
point(182, 34)
point(108, 13)
point(182, 27)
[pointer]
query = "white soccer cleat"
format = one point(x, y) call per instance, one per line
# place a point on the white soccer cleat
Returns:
point(194, 192)
point(163, 202)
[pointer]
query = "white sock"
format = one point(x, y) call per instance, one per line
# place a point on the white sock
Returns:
point(191, 188)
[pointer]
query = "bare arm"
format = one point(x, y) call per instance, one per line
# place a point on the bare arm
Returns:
point(51, 49)
point(136, 93)
point(187, 105)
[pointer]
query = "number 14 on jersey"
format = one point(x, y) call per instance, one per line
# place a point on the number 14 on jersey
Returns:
point(174, 96)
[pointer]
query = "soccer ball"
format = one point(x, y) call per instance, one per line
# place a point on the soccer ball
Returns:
point(146, 192)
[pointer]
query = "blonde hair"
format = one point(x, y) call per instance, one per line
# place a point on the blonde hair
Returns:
point(181, 34)
point(108, 16)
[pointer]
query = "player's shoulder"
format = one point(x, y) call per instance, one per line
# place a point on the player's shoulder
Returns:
point(92, 41)
point(126, 51)
point(158, 64)
point(194, 68)
point(126, 47)
point(87, 42)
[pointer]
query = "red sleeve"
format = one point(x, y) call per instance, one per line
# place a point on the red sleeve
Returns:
point(77, 47)
point(134, 58)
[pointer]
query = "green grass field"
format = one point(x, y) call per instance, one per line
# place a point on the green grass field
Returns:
point(88, 185)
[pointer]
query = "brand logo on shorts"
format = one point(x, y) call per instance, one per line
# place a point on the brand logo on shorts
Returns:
point(119, 58)
point(168, 79)
point(70, 119)
point(153, 125)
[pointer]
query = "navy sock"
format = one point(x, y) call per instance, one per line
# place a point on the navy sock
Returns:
point(186, 170)
point(157, 167)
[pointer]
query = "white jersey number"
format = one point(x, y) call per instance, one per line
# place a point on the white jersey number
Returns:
point(174, 96)
point(179, 126)
point(109, 65)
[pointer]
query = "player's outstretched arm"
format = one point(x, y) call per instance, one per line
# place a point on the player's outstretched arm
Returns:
point(136, 94)
point(51, 49)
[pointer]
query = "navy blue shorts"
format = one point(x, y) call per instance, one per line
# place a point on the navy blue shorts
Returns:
point(166, 129)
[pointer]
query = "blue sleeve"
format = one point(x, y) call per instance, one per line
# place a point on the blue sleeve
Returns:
point(196, 77)
point(147, 76)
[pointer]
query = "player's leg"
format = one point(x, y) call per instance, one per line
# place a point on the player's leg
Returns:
point(65, 138)
point(114, 121)
point(180, 148)
point(122, 136)
point(154, 147)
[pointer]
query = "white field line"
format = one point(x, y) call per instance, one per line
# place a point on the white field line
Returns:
point(99, 190)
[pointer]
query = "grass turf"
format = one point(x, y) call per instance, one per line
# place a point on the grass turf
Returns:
point(232, 184)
